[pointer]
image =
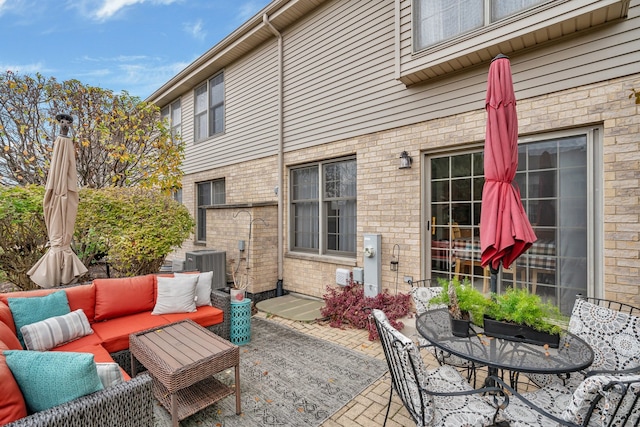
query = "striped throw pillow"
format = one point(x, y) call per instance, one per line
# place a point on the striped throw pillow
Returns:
point(110, 374)
point(54, 331)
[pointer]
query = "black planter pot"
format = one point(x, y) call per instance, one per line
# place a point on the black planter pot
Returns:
point(521, 333)
point(460, 327)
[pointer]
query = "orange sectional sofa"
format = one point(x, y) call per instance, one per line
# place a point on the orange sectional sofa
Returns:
point(115, 308)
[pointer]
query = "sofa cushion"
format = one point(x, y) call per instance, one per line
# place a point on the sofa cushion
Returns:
point(6, 317)
point(50, 378)
point(204, 316)
point(203, 287)
point(26, 311)
point(176, 295)
point(114, 333)
point(12, 404)
point(51, 332)
point(79, 343)
point(100, 355)
point(9, 338)
point(81, 296)
point(84, 297)
point(120, 297)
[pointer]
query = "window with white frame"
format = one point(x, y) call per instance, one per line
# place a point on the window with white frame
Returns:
point(173, 113)
point(323, 207)
point(209, 193)
point(209, 108)
point(440, 20)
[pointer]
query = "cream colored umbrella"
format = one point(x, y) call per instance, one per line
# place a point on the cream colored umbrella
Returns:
point(60, 265)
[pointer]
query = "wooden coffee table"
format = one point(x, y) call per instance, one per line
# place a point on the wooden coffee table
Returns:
point(182, 358)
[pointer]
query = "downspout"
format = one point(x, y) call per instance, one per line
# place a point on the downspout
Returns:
point(265, 19)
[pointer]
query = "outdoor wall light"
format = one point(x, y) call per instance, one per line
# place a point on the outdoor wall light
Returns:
point(405, 160)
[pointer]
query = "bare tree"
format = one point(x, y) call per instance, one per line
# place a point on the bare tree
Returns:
point(120, 140)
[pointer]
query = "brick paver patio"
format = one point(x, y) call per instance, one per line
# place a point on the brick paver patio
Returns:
point(368, 409)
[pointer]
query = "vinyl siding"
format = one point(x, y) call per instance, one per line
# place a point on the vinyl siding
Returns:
point(250, 115)
point(340, 80)
point(339, 73)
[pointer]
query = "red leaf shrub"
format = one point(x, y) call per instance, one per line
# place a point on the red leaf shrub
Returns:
point(349, 306)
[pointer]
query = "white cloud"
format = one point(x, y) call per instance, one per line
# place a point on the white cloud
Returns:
point(195, 29)
point(111, 7)
point(26, 68)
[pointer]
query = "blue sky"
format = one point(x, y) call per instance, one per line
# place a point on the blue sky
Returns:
point(132, 45)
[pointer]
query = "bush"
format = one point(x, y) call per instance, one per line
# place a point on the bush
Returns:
point(349, 306)
point(136, 229)
point(23, 232)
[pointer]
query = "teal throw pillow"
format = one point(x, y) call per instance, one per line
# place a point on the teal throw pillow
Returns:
point(51, 378)
point(26, 311)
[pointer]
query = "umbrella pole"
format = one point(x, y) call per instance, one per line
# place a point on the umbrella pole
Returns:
point(494, 279)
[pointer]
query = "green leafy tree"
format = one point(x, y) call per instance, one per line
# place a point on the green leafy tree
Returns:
point(120, 140)
point(134, 228)
point(23, 233)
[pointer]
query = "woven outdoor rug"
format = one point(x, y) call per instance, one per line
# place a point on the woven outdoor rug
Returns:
point(287, 379)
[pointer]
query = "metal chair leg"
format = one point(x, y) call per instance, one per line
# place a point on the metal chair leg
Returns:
point(388, 407)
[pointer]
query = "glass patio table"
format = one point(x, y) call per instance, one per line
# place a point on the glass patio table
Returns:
point(573, 354)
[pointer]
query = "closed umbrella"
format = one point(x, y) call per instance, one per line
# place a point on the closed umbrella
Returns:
point(505, 231)
point(60, 265)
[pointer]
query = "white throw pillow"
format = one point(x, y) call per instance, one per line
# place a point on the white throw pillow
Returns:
point(203, 287)
point(54, 331)
point(176, 295)
point(110, 374)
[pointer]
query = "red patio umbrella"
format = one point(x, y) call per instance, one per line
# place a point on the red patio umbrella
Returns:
point(505, 231)
point(60, 265)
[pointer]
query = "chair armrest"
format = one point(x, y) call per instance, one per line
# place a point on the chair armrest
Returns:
point(514, 394)
point(222, 300)
point(629, 371)
point(129, 404)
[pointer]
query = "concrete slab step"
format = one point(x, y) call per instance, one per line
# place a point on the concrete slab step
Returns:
point(293, 307)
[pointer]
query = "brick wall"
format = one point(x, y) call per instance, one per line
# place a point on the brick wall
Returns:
point(390, 199)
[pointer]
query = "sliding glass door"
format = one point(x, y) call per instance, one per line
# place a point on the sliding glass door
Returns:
point(557, 181)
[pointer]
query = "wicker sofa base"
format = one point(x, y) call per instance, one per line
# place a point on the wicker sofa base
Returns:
point(129, 404)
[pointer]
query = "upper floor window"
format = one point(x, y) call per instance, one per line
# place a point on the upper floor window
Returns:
point(440, 20)
point(173, 113)
point(208, 193)
point(323, 208)
point(209, 108)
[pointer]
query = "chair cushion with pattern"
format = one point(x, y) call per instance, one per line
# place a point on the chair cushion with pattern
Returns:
point(592, 387)
point(552, 398)
point(612, 335)
point(422, 295)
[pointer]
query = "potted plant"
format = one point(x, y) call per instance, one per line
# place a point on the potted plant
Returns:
point(520, 315)
point(466, 304)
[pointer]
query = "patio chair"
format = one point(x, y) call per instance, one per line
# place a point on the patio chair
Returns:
point(439, 397)
point(421, 295)
point(611, 328)
point(599, 400)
